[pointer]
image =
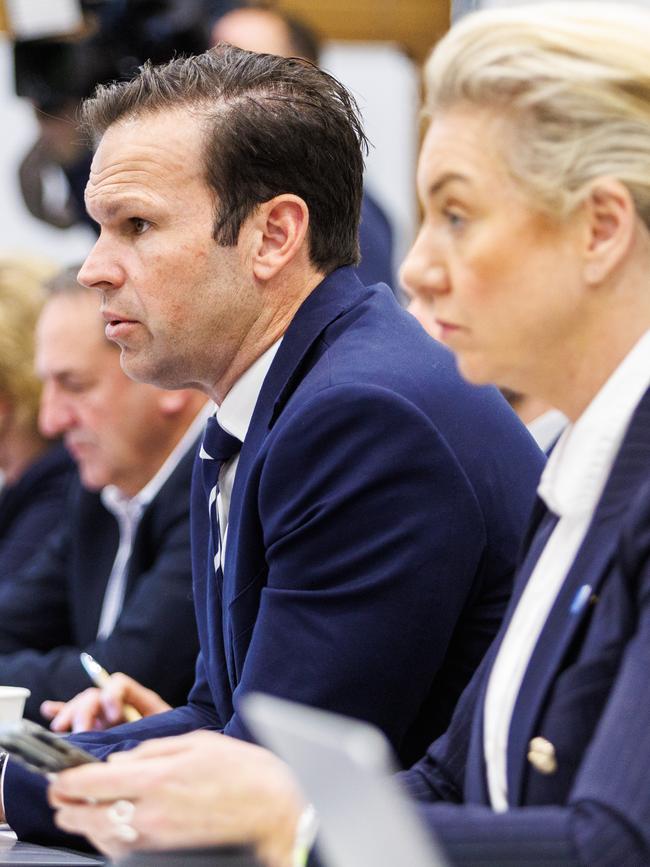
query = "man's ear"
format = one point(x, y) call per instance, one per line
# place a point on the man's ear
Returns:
point(280, 233)
point(610, 225)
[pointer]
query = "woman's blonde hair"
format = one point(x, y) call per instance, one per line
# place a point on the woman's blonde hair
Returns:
point(22, 292)
point(573, 82)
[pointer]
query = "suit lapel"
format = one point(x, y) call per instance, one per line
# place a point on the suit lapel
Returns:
point(475, 780)
point(591, 565)
point(97, 540)
point(339, 292)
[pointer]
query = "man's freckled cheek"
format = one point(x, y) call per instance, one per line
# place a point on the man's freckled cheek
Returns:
point(178, 311)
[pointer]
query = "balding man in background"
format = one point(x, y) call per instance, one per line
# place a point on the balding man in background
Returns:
point(115, 580)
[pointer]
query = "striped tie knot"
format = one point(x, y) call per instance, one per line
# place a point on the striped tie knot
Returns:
point(218, 445)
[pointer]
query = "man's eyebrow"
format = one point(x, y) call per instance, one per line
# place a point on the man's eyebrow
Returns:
point(61, 376)
point(113, 208)
point(447, 178)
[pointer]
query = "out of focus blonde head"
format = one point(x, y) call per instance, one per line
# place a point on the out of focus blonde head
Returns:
point(22, 293)
point(572, 81)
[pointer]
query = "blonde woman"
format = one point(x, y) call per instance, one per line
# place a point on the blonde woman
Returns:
point(35, 473)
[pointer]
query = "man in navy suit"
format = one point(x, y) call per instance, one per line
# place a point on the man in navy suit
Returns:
point(114, 579)
point(364, 523)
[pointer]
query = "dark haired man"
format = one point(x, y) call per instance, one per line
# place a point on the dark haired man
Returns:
point(354, 531)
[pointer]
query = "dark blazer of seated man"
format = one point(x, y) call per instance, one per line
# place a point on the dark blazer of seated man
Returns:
point(365, 547)
point(31, 507)
point(115, 578)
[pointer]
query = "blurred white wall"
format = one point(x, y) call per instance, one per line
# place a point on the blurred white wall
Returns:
point(386, 84)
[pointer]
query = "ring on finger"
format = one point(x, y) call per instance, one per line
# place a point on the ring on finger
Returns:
point(120, 815)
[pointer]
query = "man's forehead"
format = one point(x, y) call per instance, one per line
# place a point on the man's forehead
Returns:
point(147, 147)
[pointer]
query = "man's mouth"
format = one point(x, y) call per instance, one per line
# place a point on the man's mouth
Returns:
point(117, 327)
point(112, 318)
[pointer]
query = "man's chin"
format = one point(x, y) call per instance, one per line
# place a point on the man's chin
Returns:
point(92, 480)
point(141, 368)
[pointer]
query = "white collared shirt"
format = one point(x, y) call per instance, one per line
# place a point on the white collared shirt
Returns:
point(547, 427)
point(234, 416)
point(128, 511)
point(571, 486)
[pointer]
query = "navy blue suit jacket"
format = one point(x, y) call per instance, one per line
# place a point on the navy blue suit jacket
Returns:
point(373, 527)
point(585, 691)
point(50, 610)
point(32, 508)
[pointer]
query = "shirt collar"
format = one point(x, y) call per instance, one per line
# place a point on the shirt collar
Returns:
point(132, 508)
point(236, 411)
point(547, 427)
point(579, 465)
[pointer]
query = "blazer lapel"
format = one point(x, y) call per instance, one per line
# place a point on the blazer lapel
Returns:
point(339, 292)
point(570, 608)
point(591, 565)
point(475, 777)
point(97, 541)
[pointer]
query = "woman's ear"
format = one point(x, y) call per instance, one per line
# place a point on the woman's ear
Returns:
point(281, 233)
point(610, 224)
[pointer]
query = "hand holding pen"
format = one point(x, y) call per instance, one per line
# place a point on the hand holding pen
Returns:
point(102, 708)
point(101, 678)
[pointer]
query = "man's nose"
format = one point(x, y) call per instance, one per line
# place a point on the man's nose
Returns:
point(101, 269)
point(55, 415)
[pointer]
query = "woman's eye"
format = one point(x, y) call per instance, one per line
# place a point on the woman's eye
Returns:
point(454, 218)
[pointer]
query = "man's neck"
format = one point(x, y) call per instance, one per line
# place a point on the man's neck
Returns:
point(267, 330)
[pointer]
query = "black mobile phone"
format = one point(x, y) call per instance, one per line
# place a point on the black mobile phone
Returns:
point(39, 749)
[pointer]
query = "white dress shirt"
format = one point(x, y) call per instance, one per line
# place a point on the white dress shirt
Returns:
point(547, 427)
point(571, 486)
point(234, 416)
point(128, 511)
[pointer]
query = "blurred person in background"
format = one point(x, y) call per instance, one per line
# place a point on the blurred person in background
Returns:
point(270, 30)
point(534, 261)
point(115, 578)
point(34, 471)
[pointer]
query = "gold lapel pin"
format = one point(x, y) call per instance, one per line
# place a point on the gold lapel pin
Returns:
point(541, 755)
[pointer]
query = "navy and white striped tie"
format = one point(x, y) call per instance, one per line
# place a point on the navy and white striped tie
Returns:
point(218, 446)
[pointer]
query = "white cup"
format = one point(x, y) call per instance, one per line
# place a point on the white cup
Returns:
point(12, 702)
